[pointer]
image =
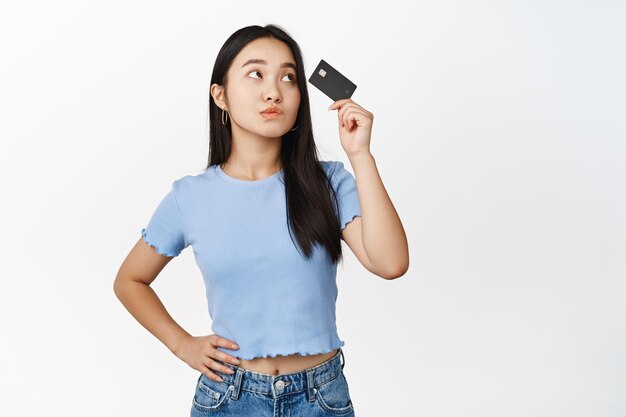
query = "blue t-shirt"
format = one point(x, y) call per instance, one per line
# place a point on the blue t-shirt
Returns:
point(262, 293)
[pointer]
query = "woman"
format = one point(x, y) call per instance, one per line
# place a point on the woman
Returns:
point(266, 219)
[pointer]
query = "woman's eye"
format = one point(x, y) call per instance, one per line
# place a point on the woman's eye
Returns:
point(293, 77)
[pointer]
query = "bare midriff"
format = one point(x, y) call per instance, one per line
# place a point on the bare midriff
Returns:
point(285, 364)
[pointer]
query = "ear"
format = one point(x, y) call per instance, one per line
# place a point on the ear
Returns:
point(217, 92)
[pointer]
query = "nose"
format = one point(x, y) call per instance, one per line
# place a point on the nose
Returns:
point(272, 93)
point(269, 97)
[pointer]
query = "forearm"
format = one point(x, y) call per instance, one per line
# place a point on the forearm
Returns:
point(145, 306)
point(383, 236)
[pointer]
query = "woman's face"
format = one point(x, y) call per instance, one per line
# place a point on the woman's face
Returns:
point(254, 85)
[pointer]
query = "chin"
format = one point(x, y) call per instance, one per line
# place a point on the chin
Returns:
point(273, 131)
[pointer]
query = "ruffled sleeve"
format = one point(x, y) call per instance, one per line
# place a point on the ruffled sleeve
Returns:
point(344, 184)
point(165, 229)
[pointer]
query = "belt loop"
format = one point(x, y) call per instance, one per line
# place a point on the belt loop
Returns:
point(310, 386)
point(343, 358)
point(237, 382)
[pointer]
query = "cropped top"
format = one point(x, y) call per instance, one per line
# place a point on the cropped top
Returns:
point(262, 293)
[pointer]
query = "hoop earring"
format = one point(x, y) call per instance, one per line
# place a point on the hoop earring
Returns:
point(291, 130)
point(224, 121)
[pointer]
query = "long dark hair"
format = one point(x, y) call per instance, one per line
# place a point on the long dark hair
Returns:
point(311, 213)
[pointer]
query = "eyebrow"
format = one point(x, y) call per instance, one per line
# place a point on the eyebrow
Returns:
point(264, 62)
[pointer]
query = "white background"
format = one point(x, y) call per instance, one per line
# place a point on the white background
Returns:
point(499, 134)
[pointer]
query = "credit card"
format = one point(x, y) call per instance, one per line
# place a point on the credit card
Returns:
point(331, 82)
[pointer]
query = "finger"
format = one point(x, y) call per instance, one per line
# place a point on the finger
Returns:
point(353, 105)
point(220, 341)
point(218, 366)
point(352, 118)
point(340, 114)
point(224, 357)
point(343, 110)
point(348, 118)
point(338, 103)
point(205, 370)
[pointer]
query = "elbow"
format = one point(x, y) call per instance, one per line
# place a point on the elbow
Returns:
point(398, 268)
point(117, 286)
point(396, 272)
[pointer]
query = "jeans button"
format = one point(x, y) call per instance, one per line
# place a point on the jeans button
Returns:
point(279, 385)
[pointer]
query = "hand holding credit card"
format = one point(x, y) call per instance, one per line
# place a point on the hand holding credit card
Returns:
point(331, 82)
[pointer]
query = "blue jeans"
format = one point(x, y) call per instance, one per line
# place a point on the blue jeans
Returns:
point(313, 392)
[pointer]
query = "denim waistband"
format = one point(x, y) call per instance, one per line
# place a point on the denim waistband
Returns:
point(284, 384)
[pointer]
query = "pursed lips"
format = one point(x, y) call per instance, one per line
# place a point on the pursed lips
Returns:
point(271, 113)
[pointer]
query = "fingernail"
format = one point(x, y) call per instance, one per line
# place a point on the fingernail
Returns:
point(236, 346)
point(220, 379)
